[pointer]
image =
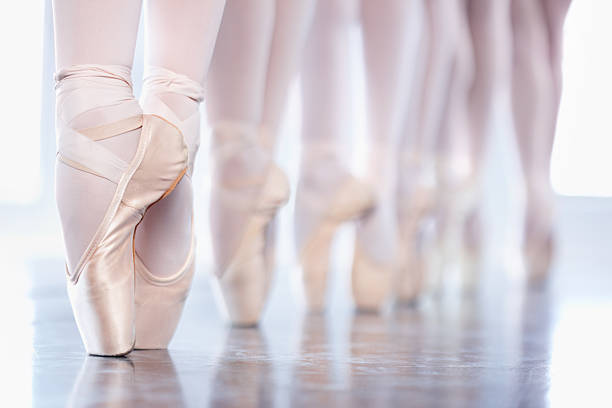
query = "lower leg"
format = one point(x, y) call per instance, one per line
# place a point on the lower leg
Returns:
point(247, 187)
point(236, 80)
point(177, 59)
point(486, 20)
point(534, 112)
point(386, 29)
point(325, 104)
point(94, 46)
point(456, 157)
point(327, 194)
point(387, 64)
point(291, 25)
point(555, 12)
point(533, 94)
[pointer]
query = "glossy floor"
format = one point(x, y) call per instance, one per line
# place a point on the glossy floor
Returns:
point(502, 347)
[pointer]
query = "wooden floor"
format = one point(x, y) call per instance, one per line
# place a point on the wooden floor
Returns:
point(501, 347)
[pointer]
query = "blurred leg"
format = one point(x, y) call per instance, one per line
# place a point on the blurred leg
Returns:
point(328, 195)
point(237, 77)
point(291, 25)
point(487, 22)
point(386, 32)
point(247, 187)
point(456, 178)
point(416, 180)
point(555, 12)
point(534, 93)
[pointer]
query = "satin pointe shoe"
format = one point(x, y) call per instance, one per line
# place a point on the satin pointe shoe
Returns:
point(101, 284)
point(376, 256)
point(248, 189)
point(159, 300)
point(539, 238)
point(538, 253)
point(372, 280)
point(416, 206)
point(457, 200)
point(350, 202)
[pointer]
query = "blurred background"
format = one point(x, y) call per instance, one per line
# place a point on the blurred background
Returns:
point(31, 248)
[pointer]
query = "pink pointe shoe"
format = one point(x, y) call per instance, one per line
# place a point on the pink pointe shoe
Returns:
point(101, 284)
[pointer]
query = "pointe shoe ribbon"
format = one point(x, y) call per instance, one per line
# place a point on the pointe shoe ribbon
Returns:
point(159, 80)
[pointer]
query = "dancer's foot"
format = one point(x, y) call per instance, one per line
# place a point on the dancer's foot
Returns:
point(248, 189)
point(118, 162)
point(539, 239)
point(165, 240)
point(416, 205)
point(377, 256)
point(327, 197)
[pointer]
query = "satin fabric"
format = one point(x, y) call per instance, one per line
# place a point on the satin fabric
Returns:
point(101, 286)
point(160, 300)
point(248, 189)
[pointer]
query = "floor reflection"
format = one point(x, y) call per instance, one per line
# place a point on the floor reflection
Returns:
point(501, 346)
point(145, 378)
point(244, 376)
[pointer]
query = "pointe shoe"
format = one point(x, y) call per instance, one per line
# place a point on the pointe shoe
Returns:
point(372, 280)
point(539, 246)
point(101, 285)
point(159, 303)
point(245, 206)
point(351, 202)
point(160, 300)
point(416, 206)
point(538, 255)
point(415, 245)
point(457, 200)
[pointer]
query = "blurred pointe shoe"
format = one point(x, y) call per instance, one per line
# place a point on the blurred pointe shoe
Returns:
point(372, 280)
point(248, 189)
point(160, 298)
point(351, 200)
point(457, 200)
point(416, 206)
point(101, 284)
point(539, 238)
point(377, 257)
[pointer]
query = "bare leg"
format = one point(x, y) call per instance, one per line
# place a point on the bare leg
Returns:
point(180, 40)
point(387, 62)
point(86, 33)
